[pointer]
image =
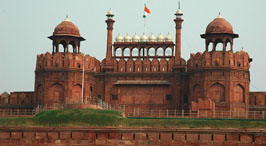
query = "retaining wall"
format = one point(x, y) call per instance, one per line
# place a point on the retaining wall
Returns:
point(13, 136)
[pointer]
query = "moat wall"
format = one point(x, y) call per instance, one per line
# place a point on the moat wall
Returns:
point(130, 136)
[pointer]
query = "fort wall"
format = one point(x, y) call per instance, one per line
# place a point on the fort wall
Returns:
point(130, 136)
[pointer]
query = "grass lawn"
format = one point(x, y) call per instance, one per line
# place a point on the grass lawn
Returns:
point(92, 118)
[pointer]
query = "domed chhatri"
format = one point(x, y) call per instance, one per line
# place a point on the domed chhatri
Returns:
point(219, 25)
point(66, 33)
point(219, 31)
point(119, 38)
point(135, 38)
point(127, 38)
point(160, 38)
point(144, 38)
point(66, 27)
point(168, 38)
point(152, 38)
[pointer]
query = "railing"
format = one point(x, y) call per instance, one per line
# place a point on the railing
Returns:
point(17, 112)
point(259, 115)
point(132, 111)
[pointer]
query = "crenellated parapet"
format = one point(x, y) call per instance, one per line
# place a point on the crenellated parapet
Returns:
point(219, 59)
point(67, 61)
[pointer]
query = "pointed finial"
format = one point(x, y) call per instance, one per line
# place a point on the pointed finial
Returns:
point(178, 12)
point(67, 19)
point(242, 49)
point(219, 16)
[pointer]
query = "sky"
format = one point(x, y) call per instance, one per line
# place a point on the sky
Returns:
point(25, 26)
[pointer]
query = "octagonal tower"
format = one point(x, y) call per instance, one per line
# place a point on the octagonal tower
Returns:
point(219, 76)
point(59, 78)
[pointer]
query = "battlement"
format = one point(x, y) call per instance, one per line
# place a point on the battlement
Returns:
point(69, 61)
point(219, 59)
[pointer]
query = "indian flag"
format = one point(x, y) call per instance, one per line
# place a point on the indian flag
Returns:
point(146, 11)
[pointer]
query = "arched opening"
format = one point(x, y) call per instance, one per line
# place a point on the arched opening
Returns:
point(217, 92)
point(62, 46)
point(126, 52)
point(218, 45)
point(239, 94)
point(196, 92)
point(118, 52)
point(135, 52)
point(72, 46)
point(168, 51)
point(159, 52)
point(56, 94)
point(151, 52)
point(76, 94)
point(228, 44)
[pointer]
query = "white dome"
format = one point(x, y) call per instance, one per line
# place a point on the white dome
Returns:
point(152, 38)
point(119, 38)
point(168, 38)
point(127, 38)
point(160, 38)
point(135, 38)
point(143, 38)
point(110, 12)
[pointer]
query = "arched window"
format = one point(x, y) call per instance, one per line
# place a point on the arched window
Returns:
point(126, 52)
point(217, 92)
point(118, 52)
point(151, 52)
point(239, 94)
point(168, 51)
point(196, 92)
point(135, 52)
point(159, 52)
point(56, 93)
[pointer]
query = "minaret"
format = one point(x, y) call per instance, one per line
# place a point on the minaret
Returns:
point(110, 23)
point(178, 22)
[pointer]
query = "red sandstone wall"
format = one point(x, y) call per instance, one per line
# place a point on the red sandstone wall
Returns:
point(127, 137)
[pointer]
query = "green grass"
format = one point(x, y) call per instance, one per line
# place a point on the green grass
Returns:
point(100, 118)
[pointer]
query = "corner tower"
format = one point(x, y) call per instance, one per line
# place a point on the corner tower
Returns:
point(219, 76)
point(59, 75)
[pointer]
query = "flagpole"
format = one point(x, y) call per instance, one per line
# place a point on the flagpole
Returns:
point(145, 26)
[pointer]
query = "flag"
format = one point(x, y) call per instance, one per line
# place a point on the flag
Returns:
point(146, 11)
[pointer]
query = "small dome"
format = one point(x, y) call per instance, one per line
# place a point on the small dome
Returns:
point(152, 38)
point(160, 38)
point(119, 38)
point(135, 38)
point(143, 38)
point(66, 27)
point(168, 38)
point(110, 12)
point(219, 25)
point(127, 38)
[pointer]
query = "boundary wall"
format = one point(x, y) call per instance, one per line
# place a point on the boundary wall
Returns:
point(14, 136)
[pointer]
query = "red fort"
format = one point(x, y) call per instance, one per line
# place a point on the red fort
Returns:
point(145, 72)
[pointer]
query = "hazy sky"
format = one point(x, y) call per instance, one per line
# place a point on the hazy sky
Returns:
point(26, 24)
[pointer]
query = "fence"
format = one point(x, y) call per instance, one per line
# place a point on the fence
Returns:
point(136, 112)
point(17, 112)
point(132, 111)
